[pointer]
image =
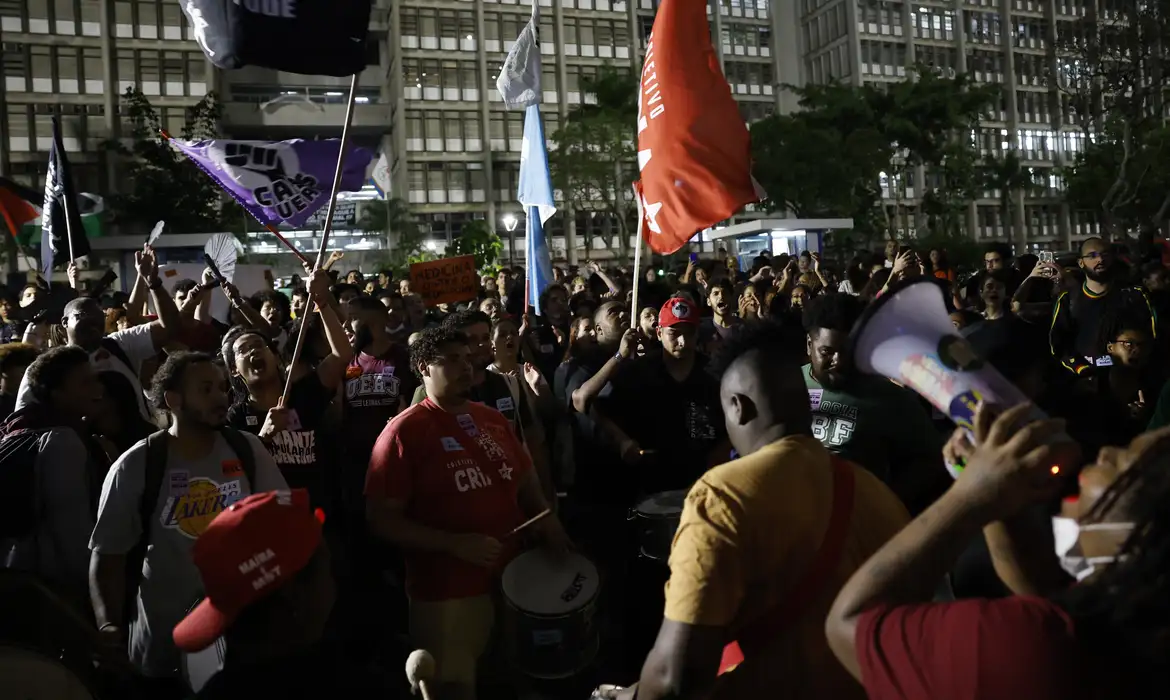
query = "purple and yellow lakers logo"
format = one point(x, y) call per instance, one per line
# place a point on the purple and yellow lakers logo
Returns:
point(192, 511)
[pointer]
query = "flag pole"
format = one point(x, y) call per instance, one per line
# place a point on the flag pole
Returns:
point(634, 310)
point(353, 85)
point(527, 258)
point(68, 221)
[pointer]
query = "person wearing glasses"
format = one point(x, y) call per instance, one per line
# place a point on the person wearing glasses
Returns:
point(1078, 319)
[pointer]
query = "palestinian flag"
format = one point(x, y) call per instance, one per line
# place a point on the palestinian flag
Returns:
point(19, 205)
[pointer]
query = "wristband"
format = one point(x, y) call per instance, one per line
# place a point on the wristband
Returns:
point(618, 356)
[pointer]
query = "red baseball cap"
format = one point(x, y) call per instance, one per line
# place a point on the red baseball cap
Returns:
point(249, 550)
point(678, 310)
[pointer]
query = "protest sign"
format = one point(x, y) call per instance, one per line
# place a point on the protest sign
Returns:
point(445, 281)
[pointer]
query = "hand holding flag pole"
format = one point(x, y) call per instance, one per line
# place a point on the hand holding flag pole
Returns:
point(300, 344)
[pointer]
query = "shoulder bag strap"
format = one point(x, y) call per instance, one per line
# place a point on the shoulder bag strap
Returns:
point(763, 631)
point(243, 449)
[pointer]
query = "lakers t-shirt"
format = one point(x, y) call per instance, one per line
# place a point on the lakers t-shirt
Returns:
point(192, 493)
point(872, 422)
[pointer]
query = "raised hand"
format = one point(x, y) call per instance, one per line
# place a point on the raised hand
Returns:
point(262, 160)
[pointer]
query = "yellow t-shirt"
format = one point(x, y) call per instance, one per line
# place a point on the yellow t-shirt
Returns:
point(750, 529)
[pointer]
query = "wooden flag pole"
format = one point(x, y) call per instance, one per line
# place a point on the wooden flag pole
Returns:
point(353, 84)
point(68, 219)
point(635, 310)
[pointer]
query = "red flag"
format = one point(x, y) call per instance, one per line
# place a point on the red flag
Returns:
point(694, 151)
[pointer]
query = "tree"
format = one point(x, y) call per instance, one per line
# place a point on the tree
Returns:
point(1006, 176)
point(160, 184)
point(403, 233)
point(594, 155)
point(830, 158)
point(1113, 81)
point(477, 238)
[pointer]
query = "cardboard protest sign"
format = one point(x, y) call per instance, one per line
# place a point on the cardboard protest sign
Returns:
point(445, 281)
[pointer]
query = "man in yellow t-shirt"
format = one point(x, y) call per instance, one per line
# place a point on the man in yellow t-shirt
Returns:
point(750, 532)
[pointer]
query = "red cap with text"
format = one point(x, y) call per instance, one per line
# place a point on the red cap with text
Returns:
point(677, 310)
point(249, 550)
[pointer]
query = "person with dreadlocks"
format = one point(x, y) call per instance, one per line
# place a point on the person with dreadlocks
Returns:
point(1100, 633)
point(289, 431)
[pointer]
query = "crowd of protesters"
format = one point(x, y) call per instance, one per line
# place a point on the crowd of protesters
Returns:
point(173, 479)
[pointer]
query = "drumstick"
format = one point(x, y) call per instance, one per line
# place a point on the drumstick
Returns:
point(420, 669)
point(531, 521)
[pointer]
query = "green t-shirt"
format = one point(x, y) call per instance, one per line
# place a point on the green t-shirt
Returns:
point(875, 423)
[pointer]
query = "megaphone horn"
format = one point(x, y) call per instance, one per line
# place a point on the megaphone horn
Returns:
point(907, 336)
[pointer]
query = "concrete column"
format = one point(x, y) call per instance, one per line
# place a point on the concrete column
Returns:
point(1019, 231)
point(112, 93)
point(568, 213)
point(486, 84)
point(717, 32)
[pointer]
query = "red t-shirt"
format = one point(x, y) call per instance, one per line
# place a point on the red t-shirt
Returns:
point(457, 472)
point(1019, 647)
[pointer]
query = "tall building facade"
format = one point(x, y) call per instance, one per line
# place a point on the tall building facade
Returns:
point(1005, 42)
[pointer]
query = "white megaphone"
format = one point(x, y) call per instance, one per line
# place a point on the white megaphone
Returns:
point(907, 335)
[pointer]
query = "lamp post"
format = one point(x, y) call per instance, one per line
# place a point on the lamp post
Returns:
point(510, 222)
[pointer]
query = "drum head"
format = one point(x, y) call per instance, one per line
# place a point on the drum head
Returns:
point(663, 504)
point(30, 675)
point(542, 583)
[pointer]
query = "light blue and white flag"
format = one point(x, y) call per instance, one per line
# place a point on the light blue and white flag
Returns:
point(519, 85)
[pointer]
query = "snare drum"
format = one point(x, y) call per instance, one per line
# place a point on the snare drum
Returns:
point(31, 675)
point(548, 620)
point(656, 520)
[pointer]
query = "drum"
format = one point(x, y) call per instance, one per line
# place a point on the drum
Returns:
point(196, 668)
point(656, 520)
point(31, 675)
point(548, 619)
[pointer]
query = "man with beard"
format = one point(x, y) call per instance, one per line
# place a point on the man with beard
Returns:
point(123, 353)
point(864, 418)
point(1075, 336)
point(719, 326)
point(200, 473)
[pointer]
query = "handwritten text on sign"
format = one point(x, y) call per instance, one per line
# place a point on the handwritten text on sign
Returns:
point(445, 281)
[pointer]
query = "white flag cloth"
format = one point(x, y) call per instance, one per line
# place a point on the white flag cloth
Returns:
point(519, 79)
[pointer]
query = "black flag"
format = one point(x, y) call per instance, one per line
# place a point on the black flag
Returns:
point(60, 216)
point(310, 37)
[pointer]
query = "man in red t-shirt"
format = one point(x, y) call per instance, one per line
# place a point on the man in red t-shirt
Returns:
point(448, 481)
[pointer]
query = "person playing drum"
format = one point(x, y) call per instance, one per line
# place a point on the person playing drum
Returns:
point(764, 544)
point(448, 481)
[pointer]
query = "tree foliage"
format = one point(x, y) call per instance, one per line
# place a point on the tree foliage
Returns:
point(404, 234)
point(159, 182)
point(828, 160)
point(1114, 81)
point(477, 238)
point(594, 154)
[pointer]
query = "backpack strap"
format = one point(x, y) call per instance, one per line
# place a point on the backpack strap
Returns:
point(243, 450)
point(763, 631)
point(156, 467)
point(115, 348)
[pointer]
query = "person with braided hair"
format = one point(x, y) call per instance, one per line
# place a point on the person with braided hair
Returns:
point(1097, 629)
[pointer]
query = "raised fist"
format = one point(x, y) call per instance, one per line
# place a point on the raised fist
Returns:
point(262, 160)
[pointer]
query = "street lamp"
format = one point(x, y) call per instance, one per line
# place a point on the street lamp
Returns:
point(510, 222)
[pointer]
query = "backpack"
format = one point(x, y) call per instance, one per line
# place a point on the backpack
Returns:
point(156, 467)
point(18, 482)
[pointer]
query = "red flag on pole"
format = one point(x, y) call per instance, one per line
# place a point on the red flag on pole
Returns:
point(694, 151)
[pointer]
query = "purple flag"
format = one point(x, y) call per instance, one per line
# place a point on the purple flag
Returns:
point(278, 182)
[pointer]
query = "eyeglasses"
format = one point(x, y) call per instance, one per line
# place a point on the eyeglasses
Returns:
point(1096, 256)
point(1130, 344)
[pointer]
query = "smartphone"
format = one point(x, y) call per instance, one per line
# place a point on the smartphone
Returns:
point(694, 257)
point(1046, 256)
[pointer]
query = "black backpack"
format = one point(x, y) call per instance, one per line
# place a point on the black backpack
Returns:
point(18, 482)
point(156, 467)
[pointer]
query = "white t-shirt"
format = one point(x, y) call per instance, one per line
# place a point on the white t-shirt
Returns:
point(138, 346)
